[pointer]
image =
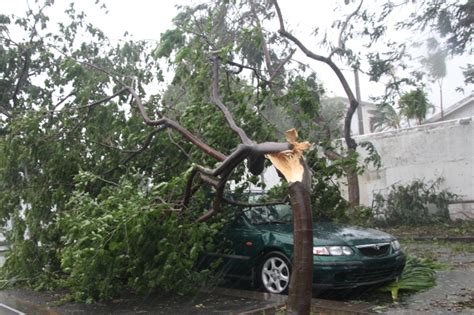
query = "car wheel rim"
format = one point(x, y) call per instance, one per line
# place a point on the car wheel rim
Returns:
point(275, 275)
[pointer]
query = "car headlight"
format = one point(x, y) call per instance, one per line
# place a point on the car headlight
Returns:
point(332, 251)
point(395, 245)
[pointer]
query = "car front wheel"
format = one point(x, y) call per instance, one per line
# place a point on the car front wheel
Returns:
point(274, 273)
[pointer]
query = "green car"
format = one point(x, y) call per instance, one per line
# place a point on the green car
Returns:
point(261, 239)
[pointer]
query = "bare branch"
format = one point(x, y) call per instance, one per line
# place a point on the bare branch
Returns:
point(89, 109)
point(342, 35)
point(178, 146)
point(217, 177)
point(5, 112)
point(281, 65)
point(23, 75)
point(242, 66)
point(134, 153)
point(62, 100)
point(212, 181)
point(144, 146)
point(216, 204)
point(103, 100)
point(217, 101)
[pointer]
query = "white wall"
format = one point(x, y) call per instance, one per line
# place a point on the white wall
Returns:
point(443, 149)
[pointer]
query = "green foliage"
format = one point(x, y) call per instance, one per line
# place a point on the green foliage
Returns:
point(49, 134)
point(373, 156)
point(169, 41)
point(302, 105)
point(384, 117)
point(378, 67)
point(326, 198)
point(452, 21)
point(414, 104)
point(419, 274)
point(435, 62)
point(81, 217)
point(409, 204)
point(128, 238)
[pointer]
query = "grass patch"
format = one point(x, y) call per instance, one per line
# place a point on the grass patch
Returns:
point(462, 247)
point(439, 230)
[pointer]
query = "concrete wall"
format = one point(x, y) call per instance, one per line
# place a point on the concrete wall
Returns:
point(443, 149)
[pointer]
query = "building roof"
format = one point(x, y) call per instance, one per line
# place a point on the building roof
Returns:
point(469, 100)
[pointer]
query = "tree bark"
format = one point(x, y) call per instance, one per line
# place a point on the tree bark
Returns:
point(299, 299)
point(292, 165)
point(353, 186)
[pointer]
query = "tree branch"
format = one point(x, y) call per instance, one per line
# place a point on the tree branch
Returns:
point(266, 52)
point(165, 121)
point(21, 78)
point(215, 177)
point(281, 64)
point(253, 205)
point(351, 144)
point(179, 146)
point(144, 146)
point(5, 112)
point(103, 100)
point(242, 66)
point(343, 37)
point(216, 204)
point(217, 101)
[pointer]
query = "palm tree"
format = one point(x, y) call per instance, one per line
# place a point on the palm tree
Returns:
point(385, 117)
point(414, 105)
point(435, 63)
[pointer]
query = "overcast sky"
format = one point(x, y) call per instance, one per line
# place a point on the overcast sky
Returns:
point(147, 19)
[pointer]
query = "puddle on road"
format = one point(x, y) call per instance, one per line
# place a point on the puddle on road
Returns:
point(10, 304)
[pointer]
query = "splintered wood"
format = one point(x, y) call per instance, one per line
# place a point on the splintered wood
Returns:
point(288, 162)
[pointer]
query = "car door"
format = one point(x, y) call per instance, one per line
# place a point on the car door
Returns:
point(246, 243)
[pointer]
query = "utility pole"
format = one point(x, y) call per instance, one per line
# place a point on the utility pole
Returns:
point(360, 118)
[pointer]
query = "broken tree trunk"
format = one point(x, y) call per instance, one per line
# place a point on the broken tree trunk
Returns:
point(293, 167)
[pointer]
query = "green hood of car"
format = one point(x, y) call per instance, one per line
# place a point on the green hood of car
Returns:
point(327, 233)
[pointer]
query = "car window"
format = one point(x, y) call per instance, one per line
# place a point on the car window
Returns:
point(269, 214)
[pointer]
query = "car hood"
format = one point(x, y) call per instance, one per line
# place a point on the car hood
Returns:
point(328, 233)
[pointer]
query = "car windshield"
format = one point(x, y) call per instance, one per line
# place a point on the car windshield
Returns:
point(272, 214)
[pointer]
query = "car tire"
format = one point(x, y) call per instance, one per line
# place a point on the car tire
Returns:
point(274, 273)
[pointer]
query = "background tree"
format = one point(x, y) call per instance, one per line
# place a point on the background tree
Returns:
point(435, 63)
point(446, 24)
point(414, 105)
point(385, 117)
